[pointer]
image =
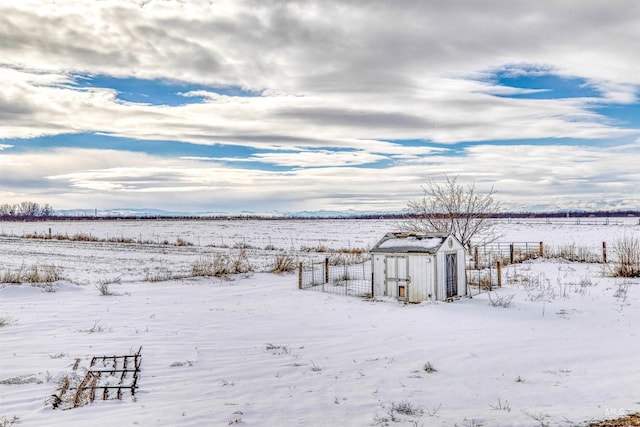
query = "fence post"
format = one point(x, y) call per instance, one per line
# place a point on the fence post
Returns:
point(372, 279)
point(499, 272)
point(326, 270)
point(604, 252)
point(511, 253)
point(541, 250)
point(346, 277)
point(490, 273)
point(475, 257)
point(299, 275)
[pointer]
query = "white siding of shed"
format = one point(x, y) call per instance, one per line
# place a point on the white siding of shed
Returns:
point(379, 276)
point(422, 273)
point(462, 272)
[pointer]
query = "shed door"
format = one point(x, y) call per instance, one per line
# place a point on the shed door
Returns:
point(451, 261)
point(397, 272)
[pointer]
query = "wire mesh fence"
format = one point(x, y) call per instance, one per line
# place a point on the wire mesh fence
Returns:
point(483, 256)
point(344, 278)
point(481, 279)
point(485, 262)
point(484, 267)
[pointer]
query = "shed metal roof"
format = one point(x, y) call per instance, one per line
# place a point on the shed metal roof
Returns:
point(400, 242)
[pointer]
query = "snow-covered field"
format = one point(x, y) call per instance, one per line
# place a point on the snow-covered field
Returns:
point(255, 350)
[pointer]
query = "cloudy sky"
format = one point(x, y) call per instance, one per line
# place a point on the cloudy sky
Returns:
point(289, 106)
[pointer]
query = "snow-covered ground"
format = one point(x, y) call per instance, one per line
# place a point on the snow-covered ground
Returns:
point(255, 350)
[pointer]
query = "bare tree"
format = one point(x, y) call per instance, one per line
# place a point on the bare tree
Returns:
point(29, 209)
point(450, 207)
point(25, 209)
point(6, 210)
point(46, 210)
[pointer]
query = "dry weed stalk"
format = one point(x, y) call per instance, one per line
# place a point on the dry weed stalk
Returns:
point(627, 257)
point(283, 263)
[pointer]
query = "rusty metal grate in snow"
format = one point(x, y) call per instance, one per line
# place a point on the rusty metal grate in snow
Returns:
point(107, 378)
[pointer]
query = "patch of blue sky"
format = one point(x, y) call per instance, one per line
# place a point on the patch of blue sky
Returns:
point(108, 142)
point(236, 155)
point(622, 115)
point(442, 149)
point(540, 83)
point(378, 164)
point(411, 142)
point(459, 148)
point(155, 92)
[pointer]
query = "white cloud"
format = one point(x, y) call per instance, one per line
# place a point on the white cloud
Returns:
point(330, 74)
point(360, 72)
point(557, 176)
point(451, 111)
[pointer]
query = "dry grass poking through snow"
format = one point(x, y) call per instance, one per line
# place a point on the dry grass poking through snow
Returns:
point(5, 321)
point(627, 253)
point(283, 263)
point(222, 265)
point(9, 421)
point(632, 420)
point(33, 274)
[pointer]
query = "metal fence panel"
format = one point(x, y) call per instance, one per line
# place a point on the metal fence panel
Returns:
point(344, 279)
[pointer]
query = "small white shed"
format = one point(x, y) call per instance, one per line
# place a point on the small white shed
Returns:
point(416, 267)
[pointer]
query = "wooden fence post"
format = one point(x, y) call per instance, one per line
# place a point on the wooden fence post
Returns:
point(499, 272)
point(475, 257)
point(541, 250)
point(511, 253)
point(299, 275)
point(372, 280)
point(326, 270)
point(604, 252)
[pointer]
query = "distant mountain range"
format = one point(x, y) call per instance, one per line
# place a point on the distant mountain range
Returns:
point(142, 213)
point(158, 213)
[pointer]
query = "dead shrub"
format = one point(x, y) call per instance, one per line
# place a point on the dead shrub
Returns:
point(428, 368)
point(221, 265)
point(14, 277)
point(182, 242)
point(5, 321)
point(241, 264)
point(82, 237)
point(319, 249)
point(210, 266)
point(33, 274)
point(104, 290)
point(574, 253)
point(626, 251)
point(23, 379)
point(352, 251)
point(103, 286)
point(241, 245)
point(347, 258)
point(9, 421)
point(503, 301)
point(45, 274)
point(120, 240)
point(284, 263)
point(162, 275)
point(277, 349)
